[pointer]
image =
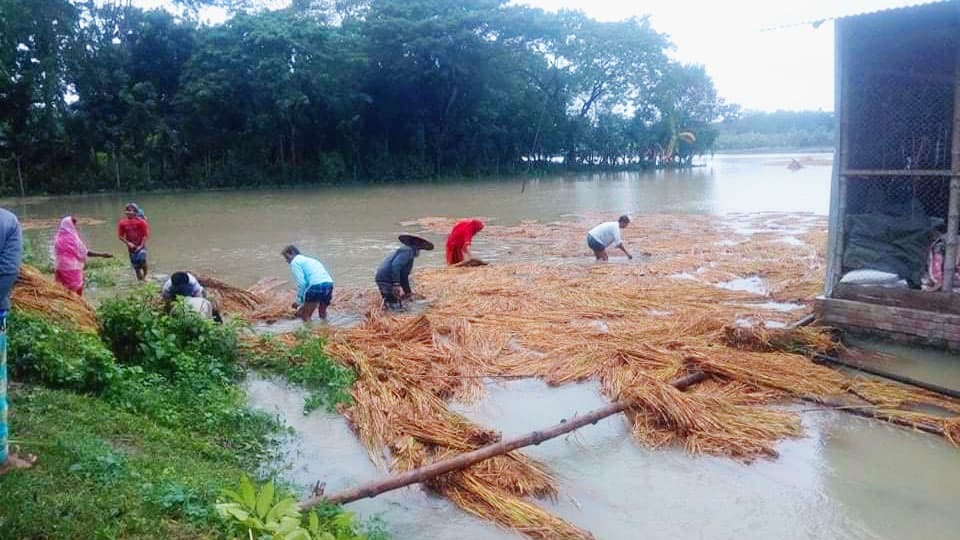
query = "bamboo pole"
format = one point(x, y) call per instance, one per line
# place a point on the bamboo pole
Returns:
point(467, 459)
point(870, 412)
point(838, 188)
point(950, 255)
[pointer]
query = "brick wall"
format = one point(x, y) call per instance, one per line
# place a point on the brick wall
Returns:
point(941, 329)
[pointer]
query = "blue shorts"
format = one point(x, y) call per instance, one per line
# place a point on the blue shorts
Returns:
point(138, 259)
point(595, 244)
point(319, 294)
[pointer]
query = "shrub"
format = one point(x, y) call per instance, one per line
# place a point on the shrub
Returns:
point(174, 344)
point(45, 352)
point(180, 370)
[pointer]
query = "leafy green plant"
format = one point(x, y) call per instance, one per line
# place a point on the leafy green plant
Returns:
point(181, 370)
point(141, 332)
point(268, 514)
point(46, 352)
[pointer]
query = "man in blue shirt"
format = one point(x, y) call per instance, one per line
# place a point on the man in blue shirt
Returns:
point(11, 247)
point(314, 284)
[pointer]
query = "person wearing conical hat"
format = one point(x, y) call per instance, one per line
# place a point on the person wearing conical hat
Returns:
point(393, 275)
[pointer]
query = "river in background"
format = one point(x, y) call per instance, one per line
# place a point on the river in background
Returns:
point(848, 478)
point(238, 235)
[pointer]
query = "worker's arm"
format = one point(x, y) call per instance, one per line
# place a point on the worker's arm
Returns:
point(400, 269)
point(101, 254)
point(165, 290)
point(300, 279)
point(121, 234)
point(144, 236)
point(622, 248)
point(465, 250)
point(196, 288)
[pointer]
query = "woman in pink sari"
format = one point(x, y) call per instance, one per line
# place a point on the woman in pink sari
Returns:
point(70, 255)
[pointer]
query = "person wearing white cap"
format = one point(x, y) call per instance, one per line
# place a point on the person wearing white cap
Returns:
point(607, 235)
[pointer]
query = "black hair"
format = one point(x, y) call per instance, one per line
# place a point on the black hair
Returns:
point(290, 250)
point(179, 278)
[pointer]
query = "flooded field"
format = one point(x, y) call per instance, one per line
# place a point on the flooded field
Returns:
point(846, 478)
point(238, 235)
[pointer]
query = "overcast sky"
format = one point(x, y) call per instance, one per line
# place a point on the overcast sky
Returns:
point(758, 52)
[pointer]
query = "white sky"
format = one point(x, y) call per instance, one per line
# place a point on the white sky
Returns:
point(756, 51)
point(783, 68)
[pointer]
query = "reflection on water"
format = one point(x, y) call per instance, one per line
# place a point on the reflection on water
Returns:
point(849, 478)
point(930, 365)
point(237, 235)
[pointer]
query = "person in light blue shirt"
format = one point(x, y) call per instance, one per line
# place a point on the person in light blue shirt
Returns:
point(314, 284)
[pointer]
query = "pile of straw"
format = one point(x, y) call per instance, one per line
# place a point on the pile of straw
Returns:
point(36, 294)
point(229, 298)
point(556, 315)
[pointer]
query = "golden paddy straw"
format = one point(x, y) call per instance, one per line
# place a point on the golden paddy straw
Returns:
point(35, 293)
point(555, 315)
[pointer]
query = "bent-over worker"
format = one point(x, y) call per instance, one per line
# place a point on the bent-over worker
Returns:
point(606, 235)
point(185, 285)
point(393, 275)
point(461, 236)
point(314, 284)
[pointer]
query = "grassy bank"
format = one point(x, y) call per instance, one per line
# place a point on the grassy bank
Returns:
point(107, 473)
point(141, 427)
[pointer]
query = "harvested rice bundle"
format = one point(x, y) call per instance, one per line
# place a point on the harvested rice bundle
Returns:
point(707, 424)
point(35, 293)
point(893, 395)
point(472, 494)
point(759, 338)
point(231, 299)
point(791, 373)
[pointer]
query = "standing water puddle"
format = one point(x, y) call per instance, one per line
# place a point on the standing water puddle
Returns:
point(849, 478)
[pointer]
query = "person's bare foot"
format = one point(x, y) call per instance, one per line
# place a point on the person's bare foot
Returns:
point(17, 461)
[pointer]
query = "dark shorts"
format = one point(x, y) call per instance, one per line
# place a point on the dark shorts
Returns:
point(138, 259)
point(319, 294)
point(595, 244)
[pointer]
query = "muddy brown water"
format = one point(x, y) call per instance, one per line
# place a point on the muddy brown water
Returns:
point(848, 478)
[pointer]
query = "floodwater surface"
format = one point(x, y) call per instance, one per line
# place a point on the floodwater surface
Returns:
point(238, 235)
point(848, 478)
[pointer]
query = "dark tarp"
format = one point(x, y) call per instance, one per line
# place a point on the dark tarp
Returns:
point(896, 244)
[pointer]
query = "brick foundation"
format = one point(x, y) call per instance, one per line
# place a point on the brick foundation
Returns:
point(902, 324)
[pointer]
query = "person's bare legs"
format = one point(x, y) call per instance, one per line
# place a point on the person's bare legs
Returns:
point(322, 310)
point(307, 309)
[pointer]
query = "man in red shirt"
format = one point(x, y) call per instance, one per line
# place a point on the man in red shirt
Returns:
point(134, 231)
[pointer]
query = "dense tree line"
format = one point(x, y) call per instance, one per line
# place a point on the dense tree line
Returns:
point(100, 95)
point(753, 130)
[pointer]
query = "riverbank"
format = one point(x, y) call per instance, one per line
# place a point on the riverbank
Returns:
point(141, 423)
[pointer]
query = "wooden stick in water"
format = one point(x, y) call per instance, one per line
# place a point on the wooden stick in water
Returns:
point(467, 459)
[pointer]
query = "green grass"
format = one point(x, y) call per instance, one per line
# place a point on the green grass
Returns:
point(140, 429)
point(106, 473)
